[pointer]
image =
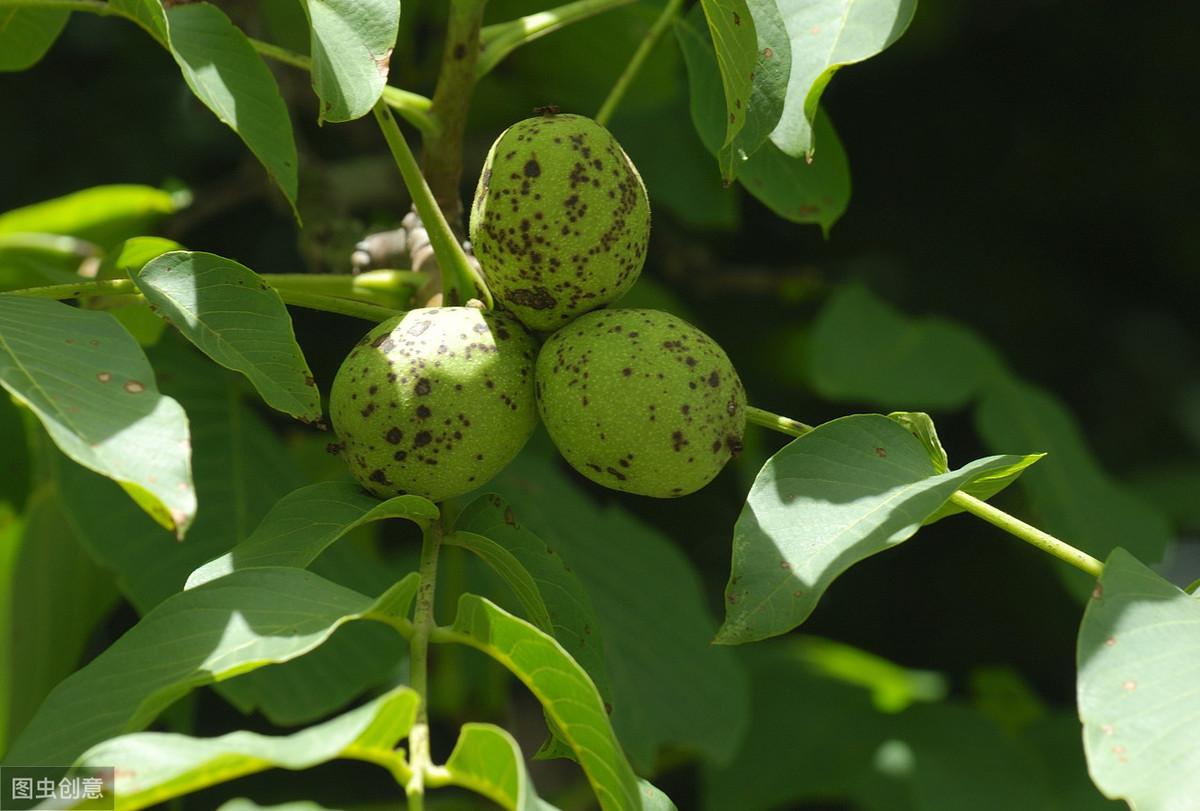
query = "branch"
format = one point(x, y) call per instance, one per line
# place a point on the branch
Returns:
point(669, 12)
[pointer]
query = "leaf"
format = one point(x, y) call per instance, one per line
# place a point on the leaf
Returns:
point(736, 48)
point(505, 564)
point(306, 521)
point(230, 626)
point(570, 617)
point(27, 33)
point(920, 425)
point(826, 36)
point(104, 215)
point(92, 388)
point(152, 767)
point(768, 90)
point(149, 14)
point(487, 760)
point(242, 804)
point(351, 49)
point(11, 531)
point(653, 798)
point(893, 688)
point(791, 187)
point(221, 67)
point(851, 488)
point(238, 320)
point(1138, 654)
point(1072, 496)
point(630, 572)
point(56, 597)
point(564, 689)
point(862, 349)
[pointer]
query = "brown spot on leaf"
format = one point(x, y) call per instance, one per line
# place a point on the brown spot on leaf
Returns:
point(134, 386)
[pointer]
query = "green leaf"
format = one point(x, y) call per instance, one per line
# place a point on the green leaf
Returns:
point(232, 625)
point(104, 215)
point(505, 564)
point(223, 70)
point(55, 595)
point(1072, 496)
point(563, 687)
point(893, 688)
point(653, 798)
point(851, 488)
point(827, 35)
point(238, 320)
point(862, 349)
point(791, 187)
point(242, 804)
point(630, 572)
point(768, 90)
point(27, 33)
point(487, 760)
point(149, 14)
point(988, 485)
point(920, 425)
point(11, 531)
point(306, 521)
point(92, 388)
point(736, 48)
point(351, 49)
point(153, 767)
point(569, 615)
point(1138, 655)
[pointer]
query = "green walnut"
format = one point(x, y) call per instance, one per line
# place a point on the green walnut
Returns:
point(641, 401)
point(560, 220)
point(435, 402)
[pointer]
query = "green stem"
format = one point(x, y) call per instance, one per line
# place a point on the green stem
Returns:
point(460, 281)
point(503, 38)
point(669, 12)
point(418, 662)
point(980, 509)
point(775, 422)
point(126, 287)
point(1028, 533)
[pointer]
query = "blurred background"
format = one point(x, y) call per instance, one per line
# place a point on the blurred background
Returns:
point(1023, 213)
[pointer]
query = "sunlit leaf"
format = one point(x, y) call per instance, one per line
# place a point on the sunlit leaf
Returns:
point(1138, 655)
point(851, 488)
point(229, 626)
point(238, 320)
point(487, 760)
point(152, 767)
point(306, 521)
point(351, 49)
point(564, 689)
point(104, 215)
point(91, 387)
point(827, 35)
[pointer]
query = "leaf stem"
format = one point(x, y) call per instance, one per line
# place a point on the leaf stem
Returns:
point(459, 279)
point(299, 298)
point(669, 12)
point(1027, 532)
point(979, 508)
point(501, 39)
point(775, 422)
point(418, 662)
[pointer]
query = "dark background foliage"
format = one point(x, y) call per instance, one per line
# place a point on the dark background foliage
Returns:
point(1024, 168)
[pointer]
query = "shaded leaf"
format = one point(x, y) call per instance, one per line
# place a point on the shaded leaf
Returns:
point(569, 613)
point(27, 33)
point(235, 624)
point(1138, 655)
point(53, 596)
point(351, 48)
point(630, 572)
point(827, 35)
point(238, 320)
point(510, 571)
point(849, 489)
point(1072, 496)
point(152, 767)
point(92, 388)
point(768, 90)
point(306, 521)
point(736, 47)
point(487, 760)
point(564, 689)
point(149, 14)
point(861, 348)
